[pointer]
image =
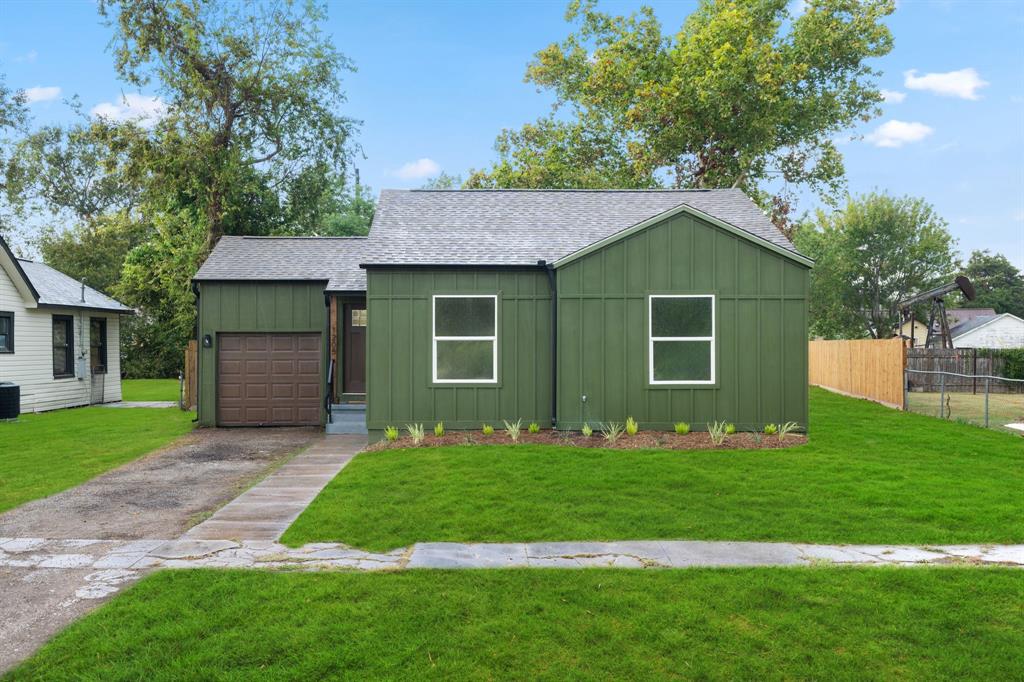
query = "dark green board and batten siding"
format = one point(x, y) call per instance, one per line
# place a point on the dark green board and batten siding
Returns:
point(761, 306)
point(400, 388)
point(232, 307)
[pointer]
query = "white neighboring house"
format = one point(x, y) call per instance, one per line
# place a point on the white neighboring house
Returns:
point(990, 331)
point(59, 342)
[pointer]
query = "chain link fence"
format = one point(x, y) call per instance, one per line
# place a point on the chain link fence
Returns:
point(982, 399)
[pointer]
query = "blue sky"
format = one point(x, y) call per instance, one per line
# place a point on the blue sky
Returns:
point(437, 81)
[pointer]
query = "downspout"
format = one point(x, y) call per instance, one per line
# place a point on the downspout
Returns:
point(552, 284)
point(329, 380)
point(199, 349)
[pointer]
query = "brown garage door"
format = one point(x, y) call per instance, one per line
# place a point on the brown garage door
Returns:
point(268, 379)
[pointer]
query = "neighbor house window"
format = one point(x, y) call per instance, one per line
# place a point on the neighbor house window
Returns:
point(359, 317)
point(63, 346)
point(465, 339)
point(98, 345)
point(6, 332)
point(682, 339)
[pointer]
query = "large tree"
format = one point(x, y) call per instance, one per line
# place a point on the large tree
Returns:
point(998, 283)
point(746, 94)
point(253, 93)
point(869, 255)
point(13, 122)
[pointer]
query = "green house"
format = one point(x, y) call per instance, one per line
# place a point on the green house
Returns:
point(562, 307)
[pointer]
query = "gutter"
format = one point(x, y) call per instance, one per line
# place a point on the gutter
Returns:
point(199, 347)
point(552, 283)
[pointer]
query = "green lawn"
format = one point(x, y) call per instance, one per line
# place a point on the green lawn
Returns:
point(42, 454)
point(150, 389)
point(809, 623)
point(869, 475)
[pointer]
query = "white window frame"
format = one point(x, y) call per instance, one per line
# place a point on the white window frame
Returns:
point(651, 338)
point(435, 338)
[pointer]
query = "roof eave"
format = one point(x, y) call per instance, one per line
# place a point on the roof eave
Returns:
point(683, 208)
point(26, 282)
point(96, 308)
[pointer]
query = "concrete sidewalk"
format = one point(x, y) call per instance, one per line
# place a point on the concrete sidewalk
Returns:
point(114, 563)
point(266, 510)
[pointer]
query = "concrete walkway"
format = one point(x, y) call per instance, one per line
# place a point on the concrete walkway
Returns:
point(266, 510)
point(142, 403)
point(114, 563)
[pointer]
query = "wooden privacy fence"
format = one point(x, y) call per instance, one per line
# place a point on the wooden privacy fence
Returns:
point(191, 376)
point(957, 361)
point(868, 368)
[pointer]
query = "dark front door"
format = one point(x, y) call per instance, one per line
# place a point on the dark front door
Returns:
point(353, 346)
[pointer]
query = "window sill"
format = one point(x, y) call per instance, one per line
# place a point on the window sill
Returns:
point(63, 376)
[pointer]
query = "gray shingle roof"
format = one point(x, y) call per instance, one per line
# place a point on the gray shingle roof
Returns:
point(520, 227)
point(56, 288)
point(971, 323)
point(332, 259)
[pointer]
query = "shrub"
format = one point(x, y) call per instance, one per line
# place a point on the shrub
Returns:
point(770, 429)
point(416, 432)
point(1014, 367)
point(391, 433)
point(587, 431)
point(730, 429)
point(717, 432)
point(611, 431)
point(534, 427)
point(682, 428)
point(439, 429)
point(786, 428)
point(631, 426)
point(513, 429)
point(488, 430)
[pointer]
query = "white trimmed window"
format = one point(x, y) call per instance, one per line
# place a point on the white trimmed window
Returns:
point(465, 339)
point(681, 333)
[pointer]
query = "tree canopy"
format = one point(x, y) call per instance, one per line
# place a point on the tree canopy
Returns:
point(997, 283)
point(869, 255)
point(745, 94)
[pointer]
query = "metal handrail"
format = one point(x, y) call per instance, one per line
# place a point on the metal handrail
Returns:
point(327, 392)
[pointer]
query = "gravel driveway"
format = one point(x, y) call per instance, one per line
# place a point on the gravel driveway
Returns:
point(162, 494)
point(158, 496)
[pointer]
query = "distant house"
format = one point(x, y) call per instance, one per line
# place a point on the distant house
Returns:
point(915, 329)
point(956, 316)
point(561, 307)
point(59, 339)
point(989, 331)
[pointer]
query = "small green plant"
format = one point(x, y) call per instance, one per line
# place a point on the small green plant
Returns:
point(771, 429)
point(730, 429)
point(587, 431)
point(416, 432)
point(786, 428)
point(631, 426)
point(391, 433)
point(513, 429)
point(534, 427)
point(488, 430)
point(717, 432)
point(611, 431)
point(439, 429)
point(682, 428)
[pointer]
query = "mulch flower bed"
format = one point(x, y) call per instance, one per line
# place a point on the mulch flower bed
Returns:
point(645, 440)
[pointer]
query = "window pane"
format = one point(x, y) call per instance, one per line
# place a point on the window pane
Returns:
point(681, 316)
point(465, 360)
point(682, 360)
point(4, 344)
point(464, 317)
point(358, 317)
point(60, 334)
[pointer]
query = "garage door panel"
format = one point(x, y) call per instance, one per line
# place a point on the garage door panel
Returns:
point(268, 379)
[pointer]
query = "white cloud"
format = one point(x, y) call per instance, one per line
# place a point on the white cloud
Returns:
point(419, 169)
point(898, 133)
point(964, 83)
point(41, 93)
point(144, 109)
point(27, 58)
point(893, 96)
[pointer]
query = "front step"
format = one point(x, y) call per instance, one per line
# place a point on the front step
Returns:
point(347, 418)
